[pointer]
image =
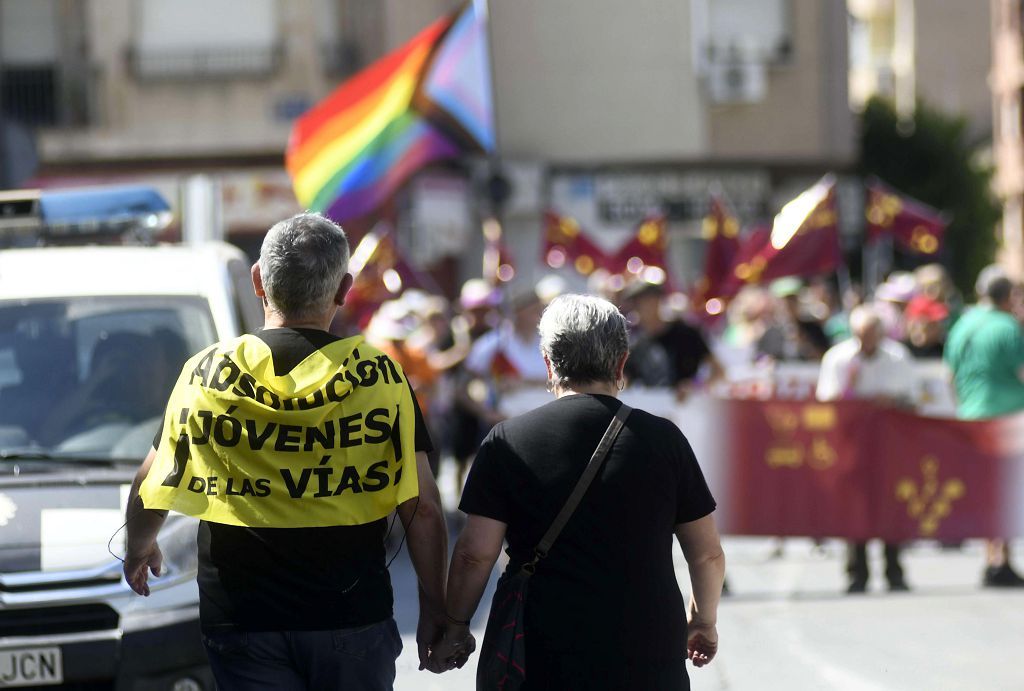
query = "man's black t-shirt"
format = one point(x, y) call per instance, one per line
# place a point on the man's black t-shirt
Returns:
point(292, 579)
point(608, 587)
point(665, 359)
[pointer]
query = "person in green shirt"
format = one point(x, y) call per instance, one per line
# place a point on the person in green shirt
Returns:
point(985, 351)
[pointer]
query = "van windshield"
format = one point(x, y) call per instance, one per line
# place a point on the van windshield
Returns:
point(89, 377)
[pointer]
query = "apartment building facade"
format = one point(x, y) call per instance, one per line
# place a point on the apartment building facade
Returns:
point(1007, 84)
point(605, 110)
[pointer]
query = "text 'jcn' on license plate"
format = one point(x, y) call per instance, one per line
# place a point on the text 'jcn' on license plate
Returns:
point(30, 667)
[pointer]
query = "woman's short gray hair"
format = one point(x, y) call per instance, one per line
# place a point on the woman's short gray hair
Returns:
point(302, 262)
point(584, 338)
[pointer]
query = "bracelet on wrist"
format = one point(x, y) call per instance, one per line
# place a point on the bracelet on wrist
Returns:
point(453, 620)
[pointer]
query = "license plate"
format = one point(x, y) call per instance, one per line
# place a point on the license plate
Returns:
point(30, 667)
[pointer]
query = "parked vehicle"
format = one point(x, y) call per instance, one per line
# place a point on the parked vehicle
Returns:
point(91, 340)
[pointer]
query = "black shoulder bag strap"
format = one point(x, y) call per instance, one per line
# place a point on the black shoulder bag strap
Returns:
point(589, 473)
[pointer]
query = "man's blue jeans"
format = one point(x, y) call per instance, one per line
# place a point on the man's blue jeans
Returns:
point(358, 658)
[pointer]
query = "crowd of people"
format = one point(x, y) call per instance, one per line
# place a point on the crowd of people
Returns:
point(795, 320)
point(464, 355)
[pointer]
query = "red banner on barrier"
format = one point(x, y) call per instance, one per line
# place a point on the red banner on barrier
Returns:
point(856, 470)
point(848, 469)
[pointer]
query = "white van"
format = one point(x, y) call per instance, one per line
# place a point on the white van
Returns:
point(91, 340)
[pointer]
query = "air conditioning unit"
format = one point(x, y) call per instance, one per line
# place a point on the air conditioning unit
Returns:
point(735, 81)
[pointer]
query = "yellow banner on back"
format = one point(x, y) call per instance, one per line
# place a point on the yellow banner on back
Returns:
point(330, 443)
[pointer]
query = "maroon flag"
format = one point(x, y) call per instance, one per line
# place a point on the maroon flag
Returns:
point(805, 235)
point(647, 247)
point(749, 263)
point(917, 227)
point(804, 240)
point(380, 273)
point(721, 229)
point(565, 243)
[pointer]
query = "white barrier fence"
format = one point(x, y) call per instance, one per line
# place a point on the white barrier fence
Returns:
point(700, 415)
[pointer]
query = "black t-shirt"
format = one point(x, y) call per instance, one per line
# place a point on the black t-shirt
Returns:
point(608, 587)
point(665, 359)
point(292, 579)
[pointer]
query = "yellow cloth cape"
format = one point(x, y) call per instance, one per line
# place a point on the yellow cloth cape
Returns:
point(330, 443)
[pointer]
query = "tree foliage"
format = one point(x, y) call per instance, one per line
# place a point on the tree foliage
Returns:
point(933, 161)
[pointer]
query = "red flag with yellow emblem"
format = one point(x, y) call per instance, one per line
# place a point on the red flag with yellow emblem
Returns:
point(916, 226)
point(566, 244)
point(647, 247)
point(380, 273)
point(803, 241)
point(721, 229)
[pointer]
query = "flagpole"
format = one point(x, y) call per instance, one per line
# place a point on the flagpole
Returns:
point(482, 7)
point(890, 255)
point(492, 225)
point(843, 279)
point(867, 273)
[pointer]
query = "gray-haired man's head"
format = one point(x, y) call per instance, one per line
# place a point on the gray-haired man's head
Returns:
point(584, 338)
point(867, 327)
point(994, 285)
point(302, 262)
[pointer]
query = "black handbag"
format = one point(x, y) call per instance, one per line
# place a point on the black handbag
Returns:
point(502, 662)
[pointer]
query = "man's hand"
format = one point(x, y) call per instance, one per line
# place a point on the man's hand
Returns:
point(141, 551)
point(429, 633)
point(454, 649)
point(701, 643)
point(427, 541)
point(138, 566)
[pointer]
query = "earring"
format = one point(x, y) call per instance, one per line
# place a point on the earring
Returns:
point(550, 386)
point(620, 384)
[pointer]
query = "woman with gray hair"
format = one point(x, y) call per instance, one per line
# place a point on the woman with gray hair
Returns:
point(604, 609)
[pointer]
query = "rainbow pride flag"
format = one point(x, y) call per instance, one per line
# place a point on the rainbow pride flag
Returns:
point(427, 101)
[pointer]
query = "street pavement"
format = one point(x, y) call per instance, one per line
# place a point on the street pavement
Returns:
point(788, 625)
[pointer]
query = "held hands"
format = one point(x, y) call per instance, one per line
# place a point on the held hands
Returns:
point(429, 633)
point(452, 651)
point(442, 645)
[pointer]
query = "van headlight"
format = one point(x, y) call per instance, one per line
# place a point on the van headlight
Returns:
point(177, 541)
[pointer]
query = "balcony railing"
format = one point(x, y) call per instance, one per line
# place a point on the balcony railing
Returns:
point(204, 63)
point(341, 58)
point(43, 96)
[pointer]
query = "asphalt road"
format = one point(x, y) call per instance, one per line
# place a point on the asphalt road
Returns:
point(787, 624)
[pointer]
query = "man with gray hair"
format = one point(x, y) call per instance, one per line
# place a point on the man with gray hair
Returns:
point(868, 366)
point(293, 446)
point(985, 351)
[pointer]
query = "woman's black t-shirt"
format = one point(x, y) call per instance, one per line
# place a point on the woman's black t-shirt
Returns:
point(289, 579)
point(608, 586)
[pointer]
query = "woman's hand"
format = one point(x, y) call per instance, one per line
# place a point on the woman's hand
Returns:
point(701, 643)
